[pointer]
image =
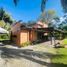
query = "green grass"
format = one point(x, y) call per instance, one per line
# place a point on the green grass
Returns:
point(64, 41)
point(60, 59)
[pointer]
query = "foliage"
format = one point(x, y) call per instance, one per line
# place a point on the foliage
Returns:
point(2, 12)
point(4, 37)
point(25, 44)
point(64, 5)
point(64, 27)
point(47, 16)
point(60, 22)
point(5, 19)
point(7, 26)
point(5, 16)
point(2, 23)
point(31, 23)
point(43, 4)
point(15, 2)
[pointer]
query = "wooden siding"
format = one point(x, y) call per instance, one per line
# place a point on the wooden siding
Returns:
point(24, 36)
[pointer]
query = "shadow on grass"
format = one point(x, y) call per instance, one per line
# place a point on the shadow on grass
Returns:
point(34, 56)
point(57, 60)
point(58, 65)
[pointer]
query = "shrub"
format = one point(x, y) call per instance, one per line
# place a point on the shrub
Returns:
point(25, 44)
point(4, 37)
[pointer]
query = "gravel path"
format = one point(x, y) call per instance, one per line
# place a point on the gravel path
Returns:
point(31, 56)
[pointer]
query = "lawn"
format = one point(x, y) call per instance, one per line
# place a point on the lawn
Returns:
point(60, 59)
point(58, 55)
point(64, 41)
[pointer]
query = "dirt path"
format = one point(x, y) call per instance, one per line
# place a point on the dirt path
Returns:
point(31, 56)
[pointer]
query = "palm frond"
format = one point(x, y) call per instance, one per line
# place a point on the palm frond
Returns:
point(15, 2)
point(43, 4)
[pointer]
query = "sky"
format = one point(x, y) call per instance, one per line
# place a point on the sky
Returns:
point(27, 10)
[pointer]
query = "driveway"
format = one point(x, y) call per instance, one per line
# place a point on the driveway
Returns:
point(31, 56)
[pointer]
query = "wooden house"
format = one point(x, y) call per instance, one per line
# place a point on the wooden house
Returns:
point(21, 34)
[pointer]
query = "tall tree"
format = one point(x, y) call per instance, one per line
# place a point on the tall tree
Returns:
point(5, 17)
point(47, 16)
point(2, 12)
point(43, 4)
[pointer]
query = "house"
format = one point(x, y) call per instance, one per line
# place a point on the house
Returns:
point(21, 34)
point(42, 30)
point(40, 24)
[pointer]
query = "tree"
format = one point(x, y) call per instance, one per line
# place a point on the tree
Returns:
point(65, 28)
point(43, 4)
point(5, 19)
point(47, 16)
point(2, 23)
point(2, 12)
point(64, 5)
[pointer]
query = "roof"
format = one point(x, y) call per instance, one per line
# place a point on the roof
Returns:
point(40, 24)
point(49, 29)
point(3, 31)
point(59, 30)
